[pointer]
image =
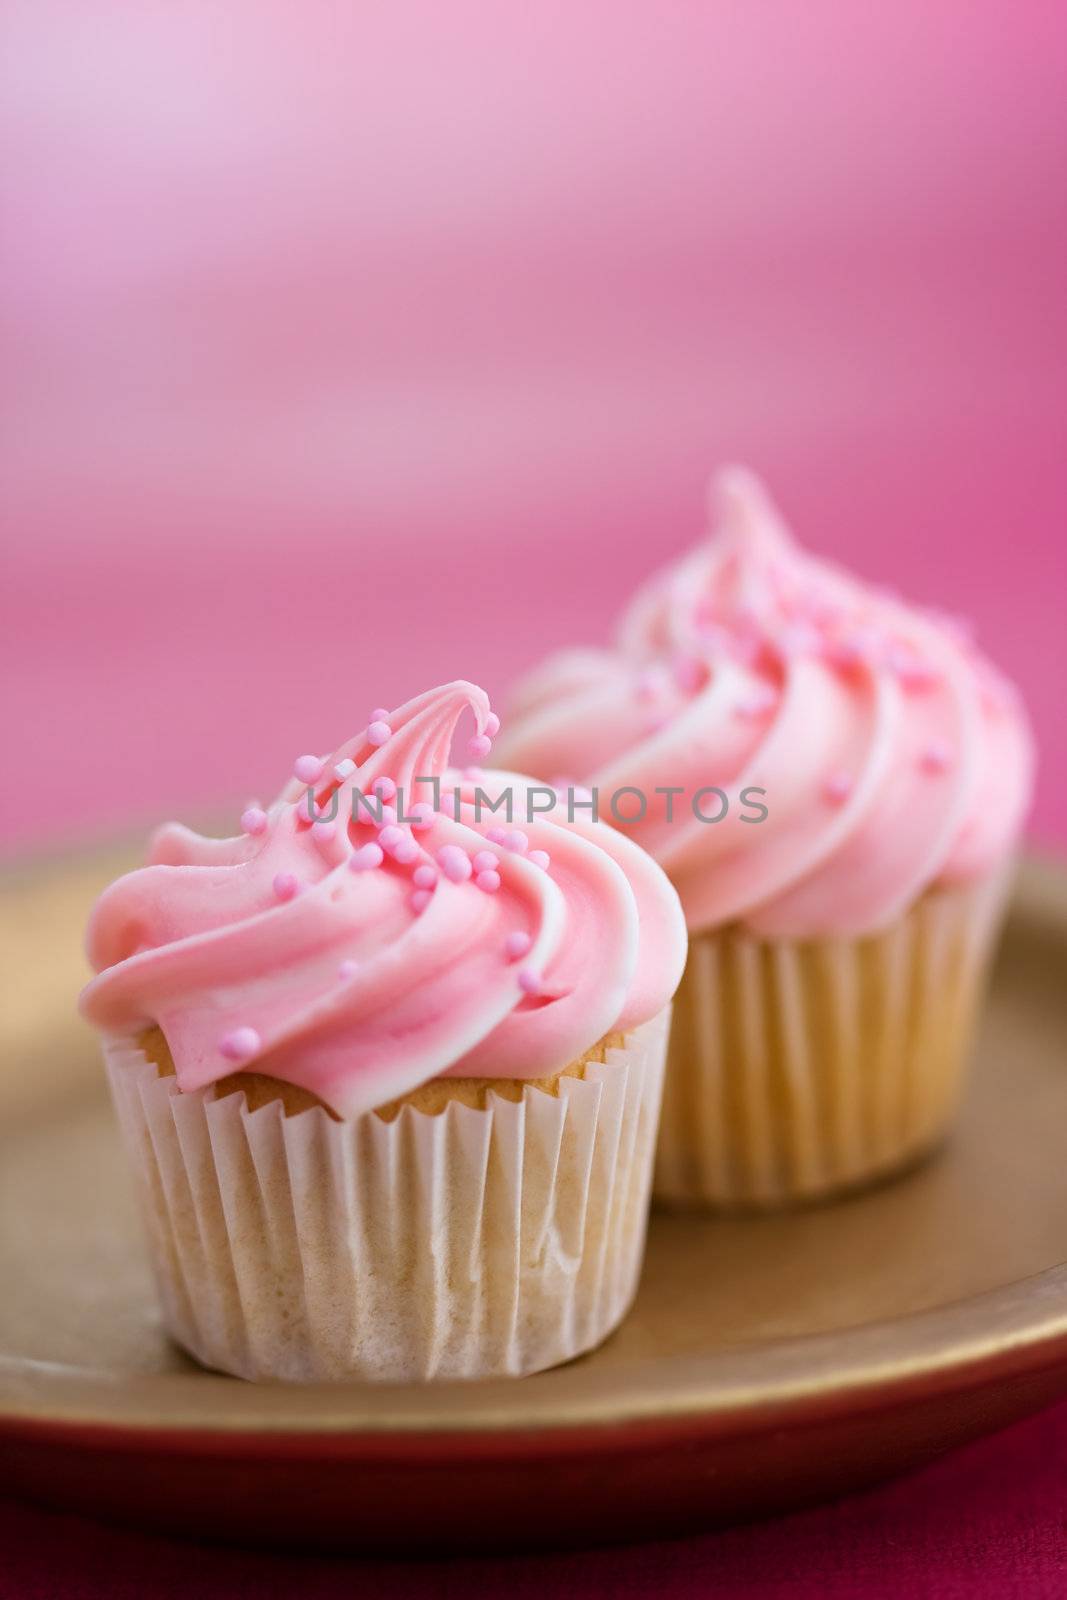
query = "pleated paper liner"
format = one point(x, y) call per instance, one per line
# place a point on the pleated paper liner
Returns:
point(799, 1069)
point(466, 1244)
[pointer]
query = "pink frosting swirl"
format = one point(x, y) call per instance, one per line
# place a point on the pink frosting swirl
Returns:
point(889, 755)
point(362, 956)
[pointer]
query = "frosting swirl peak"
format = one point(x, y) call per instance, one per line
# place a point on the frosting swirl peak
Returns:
point(391, 933)
point(887, 753)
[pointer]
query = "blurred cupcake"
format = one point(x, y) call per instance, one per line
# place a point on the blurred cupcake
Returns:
point(389, 1070)
point(835, 782)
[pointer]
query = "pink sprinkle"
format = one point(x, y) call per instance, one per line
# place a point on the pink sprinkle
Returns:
point(324, 830)
point(837, 787)
point(529, 981)
point(914, 673)
point(390, 837)
point(306, 809)
point(308, 769)
point(239, 1044)
point(918, 675)
point(540, 858)
point(387, 818)
point(480, 745)
point(379, 733)
point(254, 820)
point(821, 610)
point(420, 899)
point(420, 814)
point(998, 695)
point(688, 673)
point(286, 885)
point(384, 788)
point(715, 639)
point(853, 650)
point(406, 851)
point(492, 724)
point(347, 969)
point(515, 840)
point(488, 880)
point(937, 757)
point(454, 863)
point(759, 704)
point(379, 714)
point(746, 648)
point(486, 861)
point(517, 945)
point(779, 578)
point(496, 835)
point(424, 877)
point(366, 858)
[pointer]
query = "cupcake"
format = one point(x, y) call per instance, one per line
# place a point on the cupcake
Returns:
point(388, 1065)
point(835, 782)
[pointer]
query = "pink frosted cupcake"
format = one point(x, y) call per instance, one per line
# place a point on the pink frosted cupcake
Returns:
point(390, 1078)
point(835, 783)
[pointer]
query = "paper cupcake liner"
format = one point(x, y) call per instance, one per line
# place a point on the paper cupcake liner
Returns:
point(797, 1069)
point(468, 1244)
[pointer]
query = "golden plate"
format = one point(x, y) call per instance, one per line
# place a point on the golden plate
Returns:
point(768, 1361)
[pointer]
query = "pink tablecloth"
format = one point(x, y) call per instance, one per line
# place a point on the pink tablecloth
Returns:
point(989, 1523)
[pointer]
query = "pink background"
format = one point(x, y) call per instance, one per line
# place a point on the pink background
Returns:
point(350, 348)
point(353, 348)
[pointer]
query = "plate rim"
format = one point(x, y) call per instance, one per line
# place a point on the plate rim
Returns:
point(1022, 1330)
